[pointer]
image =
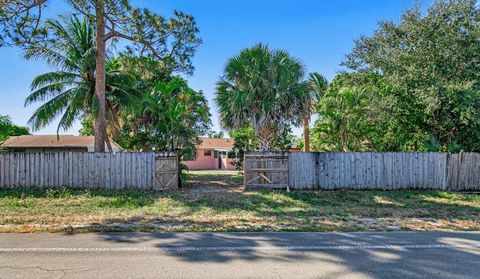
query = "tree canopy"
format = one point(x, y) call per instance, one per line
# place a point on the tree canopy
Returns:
point(7, 128)
point(169, 117)
point(161, 112)
point(317, 84)
point(264, 88)
point(413, 85)
point(68, 92)
point(171, 42)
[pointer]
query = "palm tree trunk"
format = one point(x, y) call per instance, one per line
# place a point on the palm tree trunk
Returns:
point(265, 137)
point(306, 134)
point(265, 145)
point(100, 127)
point(107, 141)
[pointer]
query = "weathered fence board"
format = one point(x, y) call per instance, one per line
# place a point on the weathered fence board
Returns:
point(111, 171)
point(370, 170)
point(463, 172)
point(301, 170)
point(386, 171)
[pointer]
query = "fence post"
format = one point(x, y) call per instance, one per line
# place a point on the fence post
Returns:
point(446, 185)
point(245, 172)
point(288, 172)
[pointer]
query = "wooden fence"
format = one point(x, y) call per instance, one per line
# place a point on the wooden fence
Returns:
point(370, 170)
point(110, 171)
point(463, 172)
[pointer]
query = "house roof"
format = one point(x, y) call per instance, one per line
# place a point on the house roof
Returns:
point(52, 141)
point(212, 143)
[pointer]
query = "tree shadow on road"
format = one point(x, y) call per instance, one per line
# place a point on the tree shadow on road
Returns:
point(410, 257)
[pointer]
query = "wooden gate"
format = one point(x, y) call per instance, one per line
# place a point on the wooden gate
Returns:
point(266, 170)
point(166, 172)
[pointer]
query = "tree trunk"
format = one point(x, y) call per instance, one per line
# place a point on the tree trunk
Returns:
point(306, 134)
point(107, 141)
point(100, 127)
point(265, 144)
point(264, 135)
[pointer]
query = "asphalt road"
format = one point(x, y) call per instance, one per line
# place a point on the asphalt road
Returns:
point(241, 255)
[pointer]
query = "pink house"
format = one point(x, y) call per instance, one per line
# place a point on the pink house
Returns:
point(212, 154)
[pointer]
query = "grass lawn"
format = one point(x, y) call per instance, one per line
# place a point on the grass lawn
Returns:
point(214, 201)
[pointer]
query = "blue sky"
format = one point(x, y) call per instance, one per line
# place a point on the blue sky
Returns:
point(318, 32)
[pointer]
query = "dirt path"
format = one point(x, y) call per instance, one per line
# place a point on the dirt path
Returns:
point(214, 181)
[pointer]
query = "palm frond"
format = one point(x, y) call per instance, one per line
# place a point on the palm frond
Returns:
point(72, 111)
point(67, 78)
point(51, 57)
point(263, 87)
point(50, 110)
point(45, 92)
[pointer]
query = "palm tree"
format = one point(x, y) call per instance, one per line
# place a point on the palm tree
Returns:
point(69, 91)
point(264, 88)
point(317, 86)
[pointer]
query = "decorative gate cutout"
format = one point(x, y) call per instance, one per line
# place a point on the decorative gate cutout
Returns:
point(266, 171)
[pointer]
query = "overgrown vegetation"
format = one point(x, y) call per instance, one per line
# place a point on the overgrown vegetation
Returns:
point(246, 141)
point(147, 107)
point(68, 91)
point(411, 86)
point(165, 116)
point(213, 208)
point(7, 128)
point(169, 42)
point(264, 89)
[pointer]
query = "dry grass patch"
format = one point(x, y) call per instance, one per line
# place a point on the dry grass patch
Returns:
point(207, 207)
